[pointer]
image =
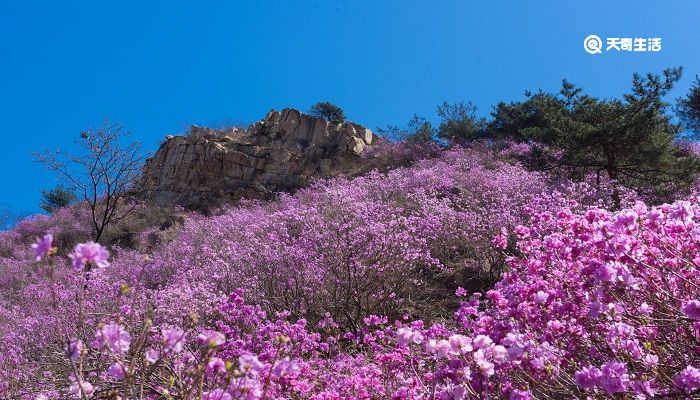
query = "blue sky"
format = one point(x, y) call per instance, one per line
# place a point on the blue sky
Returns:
point(159, 66)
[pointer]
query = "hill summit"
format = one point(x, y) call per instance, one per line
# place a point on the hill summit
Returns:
point(282, 152)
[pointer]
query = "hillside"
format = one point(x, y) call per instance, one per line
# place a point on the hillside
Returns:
point(360, 288)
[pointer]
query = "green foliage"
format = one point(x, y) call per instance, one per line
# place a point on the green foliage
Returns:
point(57, 198)
point(328, 111)
point(459, 122)
point(688, 108)
point(632, 139)
point(418, 130)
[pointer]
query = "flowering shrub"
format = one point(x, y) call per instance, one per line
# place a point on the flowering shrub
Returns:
point(320, 295)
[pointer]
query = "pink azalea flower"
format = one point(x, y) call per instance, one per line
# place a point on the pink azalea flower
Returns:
point(87, 389)
point(250, 363)
point(688, 379)
point(114, 337)
point(217, 394)
point(43, 246)
point(212, 338)
point(215, 366)
point(117, 370)
point(692, 309)
point(173, 339)
point(74, 349)
point(89, 254)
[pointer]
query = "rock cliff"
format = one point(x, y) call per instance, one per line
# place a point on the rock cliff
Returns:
point(283, 152)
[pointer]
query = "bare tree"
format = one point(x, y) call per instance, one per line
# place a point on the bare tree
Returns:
point(101, 173)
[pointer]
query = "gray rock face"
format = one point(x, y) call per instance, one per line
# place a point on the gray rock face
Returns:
point(282, 152)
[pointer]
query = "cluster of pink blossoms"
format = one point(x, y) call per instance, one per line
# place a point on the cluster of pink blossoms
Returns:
point(591, 303)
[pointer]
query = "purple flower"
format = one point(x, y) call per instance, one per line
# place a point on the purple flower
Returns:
point(173, 339)
point(87, 387)
point(692, 309)
point(250, 363)
point(587, 377)
point(217, 394)
point(540, 297)
point(688, 379)
point(212, 338)
point(482, 341)
point(74, 349)
point(89, 254)
point(114, 337)
point(117, 370)
point(615, 378)
point(285, 367)
point(605, 273)
point(520, 395)
point(152, 356)
point(44, 246)
point(215, 366)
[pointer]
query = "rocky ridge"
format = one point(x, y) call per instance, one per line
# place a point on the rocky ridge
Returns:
point(284, 151)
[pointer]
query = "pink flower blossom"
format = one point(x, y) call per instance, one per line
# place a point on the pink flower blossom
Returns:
point(614, 377)
point(43, 246)
point(588, 377)
point(173, 339)
point(215, 366)
point(688, 379)
point(114, 337)
point(212, 338)
point(285, 367)
point(540, 297)
point(87, 389)
point(74, 349)
point(117, 371)
point(216, 394)
point(250, 363)
point(692, 309)
point(89, 254)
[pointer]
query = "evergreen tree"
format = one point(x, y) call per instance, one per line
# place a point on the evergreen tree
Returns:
point(328, 111)
point(632, 139)
point(57, 198)
point(688, 108)
point(459, 122)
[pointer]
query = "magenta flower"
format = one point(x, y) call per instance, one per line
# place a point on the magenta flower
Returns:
point(285, 367)
point(212, 338)
point(173, 339)
point(89, 254)
point(114, 337)
point(520, 395)
point(688, 379)
point(217, 394)
point(117, 370)
point(540, 297)
point(152, 356)
point(605, 273)
point(587, 378)
point(215, 366)
point(43, 246)
point(407, 336)
point(250, 363)
point(87, 388)
point(615, 378)
point(74, 349)
point(692, 309)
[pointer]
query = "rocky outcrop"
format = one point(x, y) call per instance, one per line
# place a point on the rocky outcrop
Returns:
point(283, 152)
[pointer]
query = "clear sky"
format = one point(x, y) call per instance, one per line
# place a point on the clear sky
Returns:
point(159, 66)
